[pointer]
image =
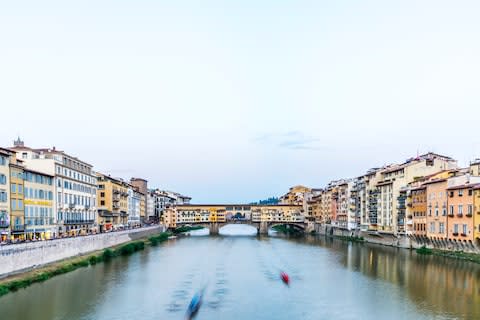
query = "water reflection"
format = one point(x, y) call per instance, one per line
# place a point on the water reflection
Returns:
point(329, 279)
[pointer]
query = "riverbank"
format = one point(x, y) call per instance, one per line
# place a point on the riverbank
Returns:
point(184, 229)
point(285, 229)
point(19, 281)
point(459, 255)
point(22, 257)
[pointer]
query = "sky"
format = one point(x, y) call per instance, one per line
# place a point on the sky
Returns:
point(236, 101)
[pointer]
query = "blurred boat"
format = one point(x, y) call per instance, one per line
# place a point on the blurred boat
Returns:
point(285, 278)
point(194, 305)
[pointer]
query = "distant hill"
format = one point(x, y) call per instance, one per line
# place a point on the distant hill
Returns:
point(272, 200)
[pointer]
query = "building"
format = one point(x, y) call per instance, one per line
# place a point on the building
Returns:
point(5, 156)
point(134, 203)
point(418, 202)
point(142, 188)
point(112, 197)
point(476, 215)
point(151, 207)
point(17, 213)
point(75, 183)
point(313, 211)
point(296, 196)
point(396, 177)
point(460, 212)
point(437, 222)
point(342, 204)
point(169, 218)
point(475, 168)
point(39, 190)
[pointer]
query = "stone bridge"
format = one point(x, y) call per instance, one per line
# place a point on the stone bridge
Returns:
point(261, 226)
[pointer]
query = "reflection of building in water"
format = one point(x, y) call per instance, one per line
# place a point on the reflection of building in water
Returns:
point(440, 283)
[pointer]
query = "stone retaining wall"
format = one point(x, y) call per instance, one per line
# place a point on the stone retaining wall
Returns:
point(407, 242)
point(23, 256)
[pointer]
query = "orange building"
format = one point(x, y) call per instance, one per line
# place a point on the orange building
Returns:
point(419, 209)
point(460, 213)
point(476, 214)
point(437, 209)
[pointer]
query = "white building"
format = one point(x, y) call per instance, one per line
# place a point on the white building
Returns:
point(134, 199)
point(151, 206)
point(75, 187)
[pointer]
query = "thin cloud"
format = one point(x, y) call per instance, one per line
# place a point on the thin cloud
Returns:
point(293, 140)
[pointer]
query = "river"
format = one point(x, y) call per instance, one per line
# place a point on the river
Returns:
point(331, 279)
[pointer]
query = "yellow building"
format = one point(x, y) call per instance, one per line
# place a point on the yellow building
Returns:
point(17, 215)
point(295, 196)
point(5, 155)
point(143, 208)
point(112, 195)
point(39, 208)
point(169, 218)
point(476, 214)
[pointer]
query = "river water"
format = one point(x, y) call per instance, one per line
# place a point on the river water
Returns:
point(331, 279)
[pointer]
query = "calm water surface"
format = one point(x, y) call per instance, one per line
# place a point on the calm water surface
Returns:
point(330, 280)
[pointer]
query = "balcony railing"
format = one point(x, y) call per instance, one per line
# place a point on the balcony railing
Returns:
point(469, 215)
point(73, 221)
point(451, 215)
point(459, 215)
point(464, 234)
point(455, 234)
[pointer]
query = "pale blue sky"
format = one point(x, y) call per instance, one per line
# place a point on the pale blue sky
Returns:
point(237, 101)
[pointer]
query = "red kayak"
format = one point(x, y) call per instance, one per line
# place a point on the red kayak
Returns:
point(285, 278)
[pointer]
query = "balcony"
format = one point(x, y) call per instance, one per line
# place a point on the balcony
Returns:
point(463, 234)
point(459, 215)
point(455, 234)
point(469, 215)
point(451, 215)
point(73, 221)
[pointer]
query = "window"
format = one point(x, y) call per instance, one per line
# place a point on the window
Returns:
point(20, 204)
point(20, 189)
point(442, 227)
point(460, 192)
point(464, 229)
point(3, 160)
point(3, 196)
point(460, 209)
point(436, 211)
point(470, 192)
point(470, 209)
point(102, 202)
point(14, 205)
point(13, 188)
point(3, 179)
point(455, 228)
point(432, 227)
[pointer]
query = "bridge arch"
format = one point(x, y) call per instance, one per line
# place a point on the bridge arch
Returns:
point(296, 225)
